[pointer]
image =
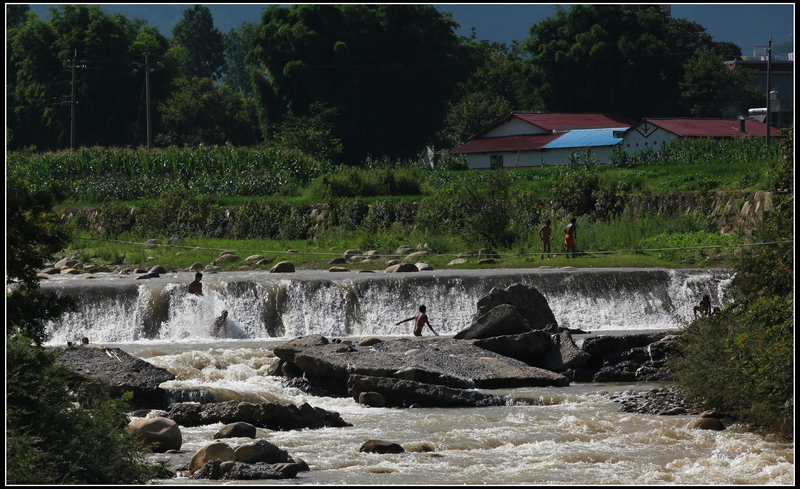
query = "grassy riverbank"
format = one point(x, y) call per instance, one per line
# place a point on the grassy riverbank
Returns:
point(676, 242)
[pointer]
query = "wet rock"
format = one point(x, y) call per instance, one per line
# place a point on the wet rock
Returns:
point(503, 319)
point(159, 434)
point(527, 300)
point(373, 399)
point(398, 393)
point(121, 372)
point(380, 446)
point(269, 415)
point(709, 424)
point(282, 267)
point(401, 267)
point(261, 451)
point(239, 429)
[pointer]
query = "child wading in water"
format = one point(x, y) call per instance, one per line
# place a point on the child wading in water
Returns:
point(420, 320)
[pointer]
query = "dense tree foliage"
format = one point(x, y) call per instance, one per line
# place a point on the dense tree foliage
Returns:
point(204, 112)
point(712, 89)
point(626, 59)
point(388, 70)
point(50, 440)
point(487, 95)
point(238, 43)
point(33, 235)
point(108, 96)
point(741, 362)
point(203, 42)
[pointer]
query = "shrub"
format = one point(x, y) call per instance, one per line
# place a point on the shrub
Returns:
point(261, 218)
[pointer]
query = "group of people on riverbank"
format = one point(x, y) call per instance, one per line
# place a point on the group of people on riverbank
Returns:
point(570, 237)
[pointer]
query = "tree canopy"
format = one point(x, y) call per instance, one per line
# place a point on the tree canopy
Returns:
point(388, 70)
point(108, 95)
point(627, 59)
point(203, 42)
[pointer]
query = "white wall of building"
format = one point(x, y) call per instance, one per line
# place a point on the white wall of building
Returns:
point(641, 138)
point(548, 157)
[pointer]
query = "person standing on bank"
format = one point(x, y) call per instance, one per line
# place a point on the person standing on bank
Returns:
point(420, 320)
point(570, 235)
point(196, 287)
point(545, 235)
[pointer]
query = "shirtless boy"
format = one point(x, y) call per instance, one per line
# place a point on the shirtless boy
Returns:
point(420, 320)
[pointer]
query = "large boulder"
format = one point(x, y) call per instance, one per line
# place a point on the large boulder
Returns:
point(433, 360)
point(121, 371)
point(564, 355)
point(269, 415)
point(527, 300)
point(227, 470)
point(213, 451)
point(158, 434)
point(529, 347)
point(402, 393)
point(261, 451)
point(627, 358)
point(239, 429)
point(503, 319)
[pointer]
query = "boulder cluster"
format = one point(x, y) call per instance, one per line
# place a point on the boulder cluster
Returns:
point(513, 341)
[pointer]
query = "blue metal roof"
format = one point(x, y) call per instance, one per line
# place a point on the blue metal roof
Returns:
point(581, 138)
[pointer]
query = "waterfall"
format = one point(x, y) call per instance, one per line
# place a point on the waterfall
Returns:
point(114, 308)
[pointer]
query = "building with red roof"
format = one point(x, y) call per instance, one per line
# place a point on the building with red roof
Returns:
point(531, 139)
point(654, 133)
point(524, 139)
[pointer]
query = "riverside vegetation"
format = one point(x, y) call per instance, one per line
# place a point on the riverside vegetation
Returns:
point(740, 362)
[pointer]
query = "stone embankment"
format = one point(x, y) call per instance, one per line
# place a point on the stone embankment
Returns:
point(730, 210)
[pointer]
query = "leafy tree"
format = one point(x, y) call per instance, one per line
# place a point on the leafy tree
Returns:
point(203, 112)
point(488, 94)
point(109, 98)
point(634, 56)
point(204, 43)
point(33, 235)
point(311, 134)
point(388, 70)
point(16, 14)
point(728, 50)
point(711, 89)
point(238, 43)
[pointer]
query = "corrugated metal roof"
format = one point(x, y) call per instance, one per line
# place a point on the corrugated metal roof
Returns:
point(508, 143)
point(712, 128)
point(563, 121)
point(581, 138)
point(566, 122)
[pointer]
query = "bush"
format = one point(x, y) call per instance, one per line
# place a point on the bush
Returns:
point(742, 361)
point(261, 218)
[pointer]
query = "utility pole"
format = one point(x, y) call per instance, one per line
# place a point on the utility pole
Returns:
point(146, 55)
point(73, 102)
point(769, 102)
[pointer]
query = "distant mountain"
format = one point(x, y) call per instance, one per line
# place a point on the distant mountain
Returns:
point(743, 24)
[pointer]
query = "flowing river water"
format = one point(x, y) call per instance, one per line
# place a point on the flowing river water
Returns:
point(574, 435)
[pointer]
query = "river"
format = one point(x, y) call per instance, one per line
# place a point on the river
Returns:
point(572, 435)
